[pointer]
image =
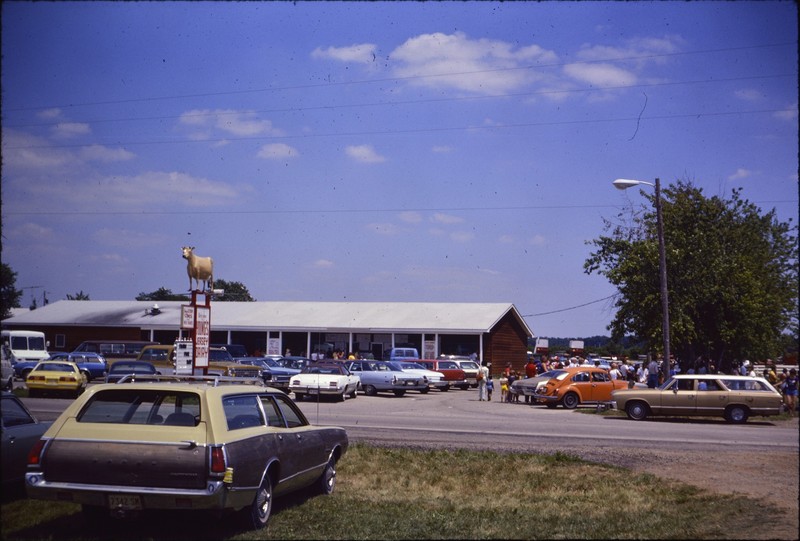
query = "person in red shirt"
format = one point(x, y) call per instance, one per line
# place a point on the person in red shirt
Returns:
point(530, 369)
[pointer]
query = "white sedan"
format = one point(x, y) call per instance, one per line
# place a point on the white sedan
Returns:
point(324, 379)
point(435, 379)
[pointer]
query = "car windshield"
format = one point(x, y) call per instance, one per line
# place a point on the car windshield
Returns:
point(270, 362)
point(469, 365)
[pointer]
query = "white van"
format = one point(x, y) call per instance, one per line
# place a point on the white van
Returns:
point(24, 345)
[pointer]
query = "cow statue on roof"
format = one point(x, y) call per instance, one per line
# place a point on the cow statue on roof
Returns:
point(199, 269)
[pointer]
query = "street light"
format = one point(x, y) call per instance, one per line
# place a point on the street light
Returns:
point(624, 184)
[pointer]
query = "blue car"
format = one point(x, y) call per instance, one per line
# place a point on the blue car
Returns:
point(272, 373)
point(93, 365)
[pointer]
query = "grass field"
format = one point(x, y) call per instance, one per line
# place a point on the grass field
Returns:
point(391, 493)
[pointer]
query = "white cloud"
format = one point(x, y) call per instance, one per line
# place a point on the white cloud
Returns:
point(790, 113)
point(537, 240)
point(441, 149)
point(26, 151)
point(277, 151)
point(480, 66)
point(102, 153)
point(462, 236)
point(49, 114)
point(323, 263)
point(383, 228)
point(364, 154)
point(65, 130)
point(30, 232)
point(239, 123)
point(749, 94)
point(411, 216)
point(442, 218)
point(740, 174)
point(362, 53)
point(602, 75)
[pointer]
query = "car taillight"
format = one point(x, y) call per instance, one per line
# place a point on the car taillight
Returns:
point(35, 454)
point(217, 460)
point(35, 378)
point(68, 379)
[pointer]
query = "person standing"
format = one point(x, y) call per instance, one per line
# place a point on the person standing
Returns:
point(489, 389)
point(652, 374)
point(482, 377)
point(790, 391)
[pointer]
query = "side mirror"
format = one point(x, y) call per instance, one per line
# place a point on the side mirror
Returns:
point(675, 390)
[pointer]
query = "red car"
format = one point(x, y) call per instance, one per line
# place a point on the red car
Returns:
point(453, 374)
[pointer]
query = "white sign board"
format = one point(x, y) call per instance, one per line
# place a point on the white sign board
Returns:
point(202, 335)
point(187, 316)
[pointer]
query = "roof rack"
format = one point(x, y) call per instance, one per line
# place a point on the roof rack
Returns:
point(215, 381)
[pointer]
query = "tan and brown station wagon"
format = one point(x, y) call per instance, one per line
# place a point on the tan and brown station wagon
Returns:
point(183, 442)
point(709, 395)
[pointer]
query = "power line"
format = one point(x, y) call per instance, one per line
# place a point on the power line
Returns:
point(571, 307)
point(408, 102)
point(414, 130)
point(407, 78)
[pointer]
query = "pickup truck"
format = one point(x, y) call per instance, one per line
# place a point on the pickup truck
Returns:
point(92, 365)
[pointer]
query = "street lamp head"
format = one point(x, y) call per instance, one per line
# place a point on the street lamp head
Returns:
point(624, 183)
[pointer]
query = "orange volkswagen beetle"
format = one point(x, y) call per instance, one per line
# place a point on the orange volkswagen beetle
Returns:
point(578, 385)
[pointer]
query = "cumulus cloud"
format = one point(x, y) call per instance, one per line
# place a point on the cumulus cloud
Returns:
point(240, 123)
point(30, 232)
point(102, 153)
point(361, 53)
point(749, 94)
point(323, 263)
point(790, 113)
point(64, 130)
point(602, 75)
point(411, 217)
point(277, 151)
point(364, 154)
point(442, 218)
point(22, 150)
point(481, 66)
point(740, 174)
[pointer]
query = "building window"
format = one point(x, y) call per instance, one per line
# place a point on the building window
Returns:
point(61, 341)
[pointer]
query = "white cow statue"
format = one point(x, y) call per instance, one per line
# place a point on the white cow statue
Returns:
point(201, 269)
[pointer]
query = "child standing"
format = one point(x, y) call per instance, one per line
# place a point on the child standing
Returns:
point(489, 388)
point(503, 389)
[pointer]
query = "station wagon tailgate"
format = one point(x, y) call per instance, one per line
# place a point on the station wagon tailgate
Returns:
point(159, 456)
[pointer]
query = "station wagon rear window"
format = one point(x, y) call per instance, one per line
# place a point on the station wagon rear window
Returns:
point(142, 407)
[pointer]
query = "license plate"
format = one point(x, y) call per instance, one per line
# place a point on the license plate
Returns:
point(51, 382)
point(124, 501)
point(313, 391)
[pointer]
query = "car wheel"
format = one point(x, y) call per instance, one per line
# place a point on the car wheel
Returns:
point(551, 405)
point(637, 411)
point(327, 481)
point(9, 385)
point(425, 390)
point(25, 373)
point(259, 511)
point(445, 388)
point(570, 401)
point(88, 376)
point(370, 390)
point(464, 387)
point(298, 397)
point(342, 396)
point(399, 392)
point(354, 392)
point(736, 414)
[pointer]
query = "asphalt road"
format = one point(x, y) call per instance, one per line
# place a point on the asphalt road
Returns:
point(457, 419)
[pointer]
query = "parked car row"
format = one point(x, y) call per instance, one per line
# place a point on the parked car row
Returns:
point(735, 398)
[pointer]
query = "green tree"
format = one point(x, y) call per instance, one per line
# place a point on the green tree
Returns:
point(9, 294)
point(161, 294)
point(234, 291)
point(732, 275)
point(79, 296)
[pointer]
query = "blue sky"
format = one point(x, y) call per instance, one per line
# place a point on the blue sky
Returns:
point(368, 151)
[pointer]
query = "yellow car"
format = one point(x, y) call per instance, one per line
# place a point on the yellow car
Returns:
point(60, 376)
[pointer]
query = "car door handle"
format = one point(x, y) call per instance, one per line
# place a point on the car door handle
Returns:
point(190, 444)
